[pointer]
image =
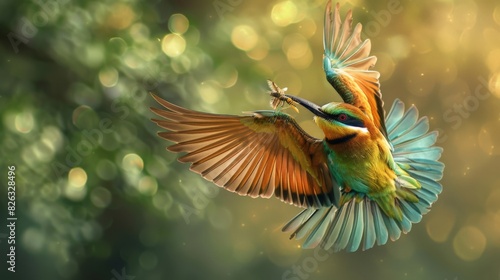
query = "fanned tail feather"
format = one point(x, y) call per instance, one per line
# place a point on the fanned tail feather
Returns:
point(360, 222)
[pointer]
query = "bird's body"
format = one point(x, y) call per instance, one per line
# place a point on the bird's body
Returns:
point(367, 180)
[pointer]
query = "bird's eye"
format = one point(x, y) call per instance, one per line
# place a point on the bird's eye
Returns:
point(342, 117)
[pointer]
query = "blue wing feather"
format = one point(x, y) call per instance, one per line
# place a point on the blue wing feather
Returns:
point(394, 116)
point(357, 230)
point(369, 233)
point(419, 129)
point(318, 232)
point(345, 232)
point(380, 228)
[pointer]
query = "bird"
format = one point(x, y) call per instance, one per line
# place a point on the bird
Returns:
point(368, 180)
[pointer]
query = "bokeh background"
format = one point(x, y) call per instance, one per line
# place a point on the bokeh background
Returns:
point(98, 197)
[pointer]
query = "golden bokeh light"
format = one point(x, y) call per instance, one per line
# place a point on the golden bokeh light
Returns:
point(260, 51)
point(307, 27)
point(226, 75)
point(120, 16)
point(398, 47)
point(173, 45)
point(284, 13)
point(77, 177)
point(440, 223)
point(132, 59)
point(52, 137)
point(469, 243)
point(297, 50)
point(244, 37)
point(148, 185)
point(132, 163)
point(24, 121)
point(75, 188)
point(178, 23)
point(108, 76)
point(209, 93)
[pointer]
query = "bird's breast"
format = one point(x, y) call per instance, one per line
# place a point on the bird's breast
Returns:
point(361, 167)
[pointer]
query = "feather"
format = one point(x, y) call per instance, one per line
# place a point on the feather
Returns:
point(425, 141)
point(261, 154)
point(369, 233)
point(358, 226)
point(347, 62)
point(393, 117)
point(405, 123)
point(315, 234)
point(417, 130)
point(378, 221)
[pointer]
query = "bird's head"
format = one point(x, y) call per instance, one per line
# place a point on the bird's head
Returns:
point(340, 122)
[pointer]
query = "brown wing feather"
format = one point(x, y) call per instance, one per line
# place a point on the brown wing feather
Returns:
point(347, 62)
point(257, 155)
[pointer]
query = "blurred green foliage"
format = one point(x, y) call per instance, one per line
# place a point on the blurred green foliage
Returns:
point(98, 197)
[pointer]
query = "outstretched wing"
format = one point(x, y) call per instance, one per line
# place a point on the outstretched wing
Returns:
point(346, 62)
point(257, 155)
point(360, 222)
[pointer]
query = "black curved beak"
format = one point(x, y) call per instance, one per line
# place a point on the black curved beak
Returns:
point(315, 109)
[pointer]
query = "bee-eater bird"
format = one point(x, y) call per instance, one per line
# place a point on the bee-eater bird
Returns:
point(369, 179)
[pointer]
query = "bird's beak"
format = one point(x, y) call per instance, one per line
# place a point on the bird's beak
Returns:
point(315, 109)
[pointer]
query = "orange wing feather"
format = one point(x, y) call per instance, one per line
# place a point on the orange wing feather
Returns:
point(347, 62)
point(257, 155)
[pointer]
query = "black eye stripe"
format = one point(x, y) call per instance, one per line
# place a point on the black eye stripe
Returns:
point(351, 121)
point(354, 122)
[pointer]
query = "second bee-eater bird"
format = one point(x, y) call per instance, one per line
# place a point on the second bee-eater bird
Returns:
point(369, 179)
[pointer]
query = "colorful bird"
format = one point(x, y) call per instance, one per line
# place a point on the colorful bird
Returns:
point(368, 180)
